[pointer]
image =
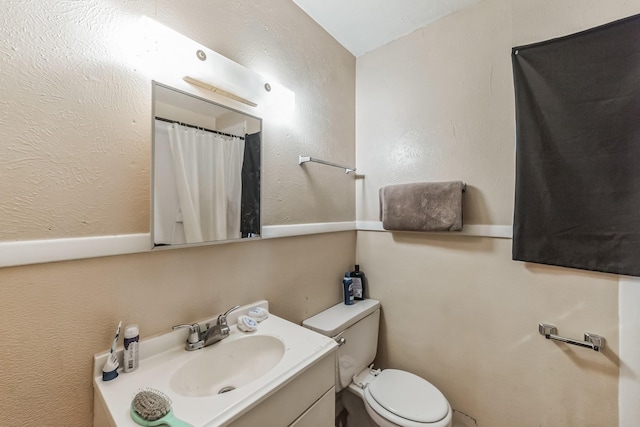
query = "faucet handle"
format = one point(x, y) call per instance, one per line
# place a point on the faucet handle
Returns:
point(194, 332)
point(222, 319)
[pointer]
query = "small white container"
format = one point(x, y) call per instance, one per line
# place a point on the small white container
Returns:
point(131, 345)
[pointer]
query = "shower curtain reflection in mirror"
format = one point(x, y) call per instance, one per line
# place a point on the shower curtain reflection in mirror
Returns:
point(198, 197)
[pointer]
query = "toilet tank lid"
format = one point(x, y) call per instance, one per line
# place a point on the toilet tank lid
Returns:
point(336, 319)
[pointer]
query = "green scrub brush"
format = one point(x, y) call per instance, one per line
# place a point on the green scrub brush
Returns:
point(153, 408)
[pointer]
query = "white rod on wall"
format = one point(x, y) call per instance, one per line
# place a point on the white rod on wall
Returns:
point(305, 159)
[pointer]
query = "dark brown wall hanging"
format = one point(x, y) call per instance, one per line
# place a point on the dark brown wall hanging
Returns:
point(577, 200)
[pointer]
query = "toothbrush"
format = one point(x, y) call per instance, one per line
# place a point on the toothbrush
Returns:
point(110, 368)
point(112, 354)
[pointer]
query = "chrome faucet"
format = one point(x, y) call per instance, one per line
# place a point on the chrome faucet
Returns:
point(220, 330)
point(199, 339)
point(194, 341)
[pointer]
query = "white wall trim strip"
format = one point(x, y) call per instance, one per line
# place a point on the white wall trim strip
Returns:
point(53, 250)
point(273, 231)
point(628, 385)
point(477, 230)
point(40, 251)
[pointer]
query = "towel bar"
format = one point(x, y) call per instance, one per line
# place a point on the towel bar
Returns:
point(304, 159)
point(592, 341)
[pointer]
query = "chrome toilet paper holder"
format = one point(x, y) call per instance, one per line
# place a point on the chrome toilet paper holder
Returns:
point(592, 341)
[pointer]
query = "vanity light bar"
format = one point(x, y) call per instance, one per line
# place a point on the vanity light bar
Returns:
point(215, 89)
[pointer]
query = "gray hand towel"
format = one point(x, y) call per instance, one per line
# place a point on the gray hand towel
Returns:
point(422, 206)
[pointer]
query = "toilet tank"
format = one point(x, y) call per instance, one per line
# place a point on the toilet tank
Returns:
point(358, 325)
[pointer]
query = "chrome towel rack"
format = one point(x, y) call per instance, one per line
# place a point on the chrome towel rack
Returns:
point(305, 159)
point(592, 341)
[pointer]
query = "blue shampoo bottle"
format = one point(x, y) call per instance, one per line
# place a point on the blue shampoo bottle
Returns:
point(347, 288)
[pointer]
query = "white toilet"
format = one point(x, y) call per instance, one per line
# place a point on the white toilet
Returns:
point(391, 397)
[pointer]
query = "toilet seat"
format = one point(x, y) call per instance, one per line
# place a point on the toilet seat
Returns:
point(407, 400)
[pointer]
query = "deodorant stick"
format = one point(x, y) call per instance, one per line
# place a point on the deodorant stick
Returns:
point(131, 344)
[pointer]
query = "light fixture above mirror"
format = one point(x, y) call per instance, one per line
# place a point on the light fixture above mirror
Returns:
point(166, 56)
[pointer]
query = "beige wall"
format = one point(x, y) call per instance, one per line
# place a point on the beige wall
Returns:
point(459, 312)
point(56, 316)
point(438, 105)
point(76, 110)
point(75, 128)
point(75, 162)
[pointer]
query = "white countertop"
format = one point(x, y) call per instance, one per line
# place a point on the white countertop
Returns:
point(161, 356)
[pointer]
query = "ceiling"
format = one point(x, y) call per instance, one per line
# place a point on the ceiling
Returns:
point(364, 25)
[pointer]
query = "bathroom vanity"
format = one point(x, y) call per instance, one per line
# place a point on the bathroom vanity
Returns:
point(282, 373)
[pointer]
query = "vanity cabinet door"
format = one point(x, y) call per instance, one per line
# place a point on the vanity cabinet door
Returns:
point(321, 414)
point(288, 405)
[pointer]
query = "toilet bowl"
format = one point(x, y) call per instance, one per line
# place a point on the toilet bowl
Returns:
point(391, 397)
point(398, 398)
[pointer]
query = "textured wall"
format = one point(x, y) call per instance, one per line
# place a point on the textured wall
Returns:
point(74, 161)
point(275, 38)
point(438, 105)
point(76, 109)
point(459, 312)
point(74, 124)
point(56, 316)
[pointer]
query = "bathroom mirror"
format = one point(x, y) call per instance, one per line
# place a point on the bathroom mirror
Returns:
point(206, 171)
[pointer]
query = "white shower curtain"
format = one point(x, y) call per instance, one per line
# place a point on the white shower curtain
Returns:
point(208, 172)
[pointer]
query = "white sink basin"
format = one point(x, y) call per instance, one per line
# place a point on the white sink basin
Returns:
point(227, 366)
point(256, 364)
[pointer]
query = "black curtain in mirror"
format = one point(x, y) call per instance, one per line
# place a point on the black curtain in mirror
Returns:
point(577, 200)
point(250, 210)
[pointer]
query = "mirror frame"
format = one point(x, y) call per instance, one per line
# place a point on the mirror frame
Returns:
point(154, 246)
